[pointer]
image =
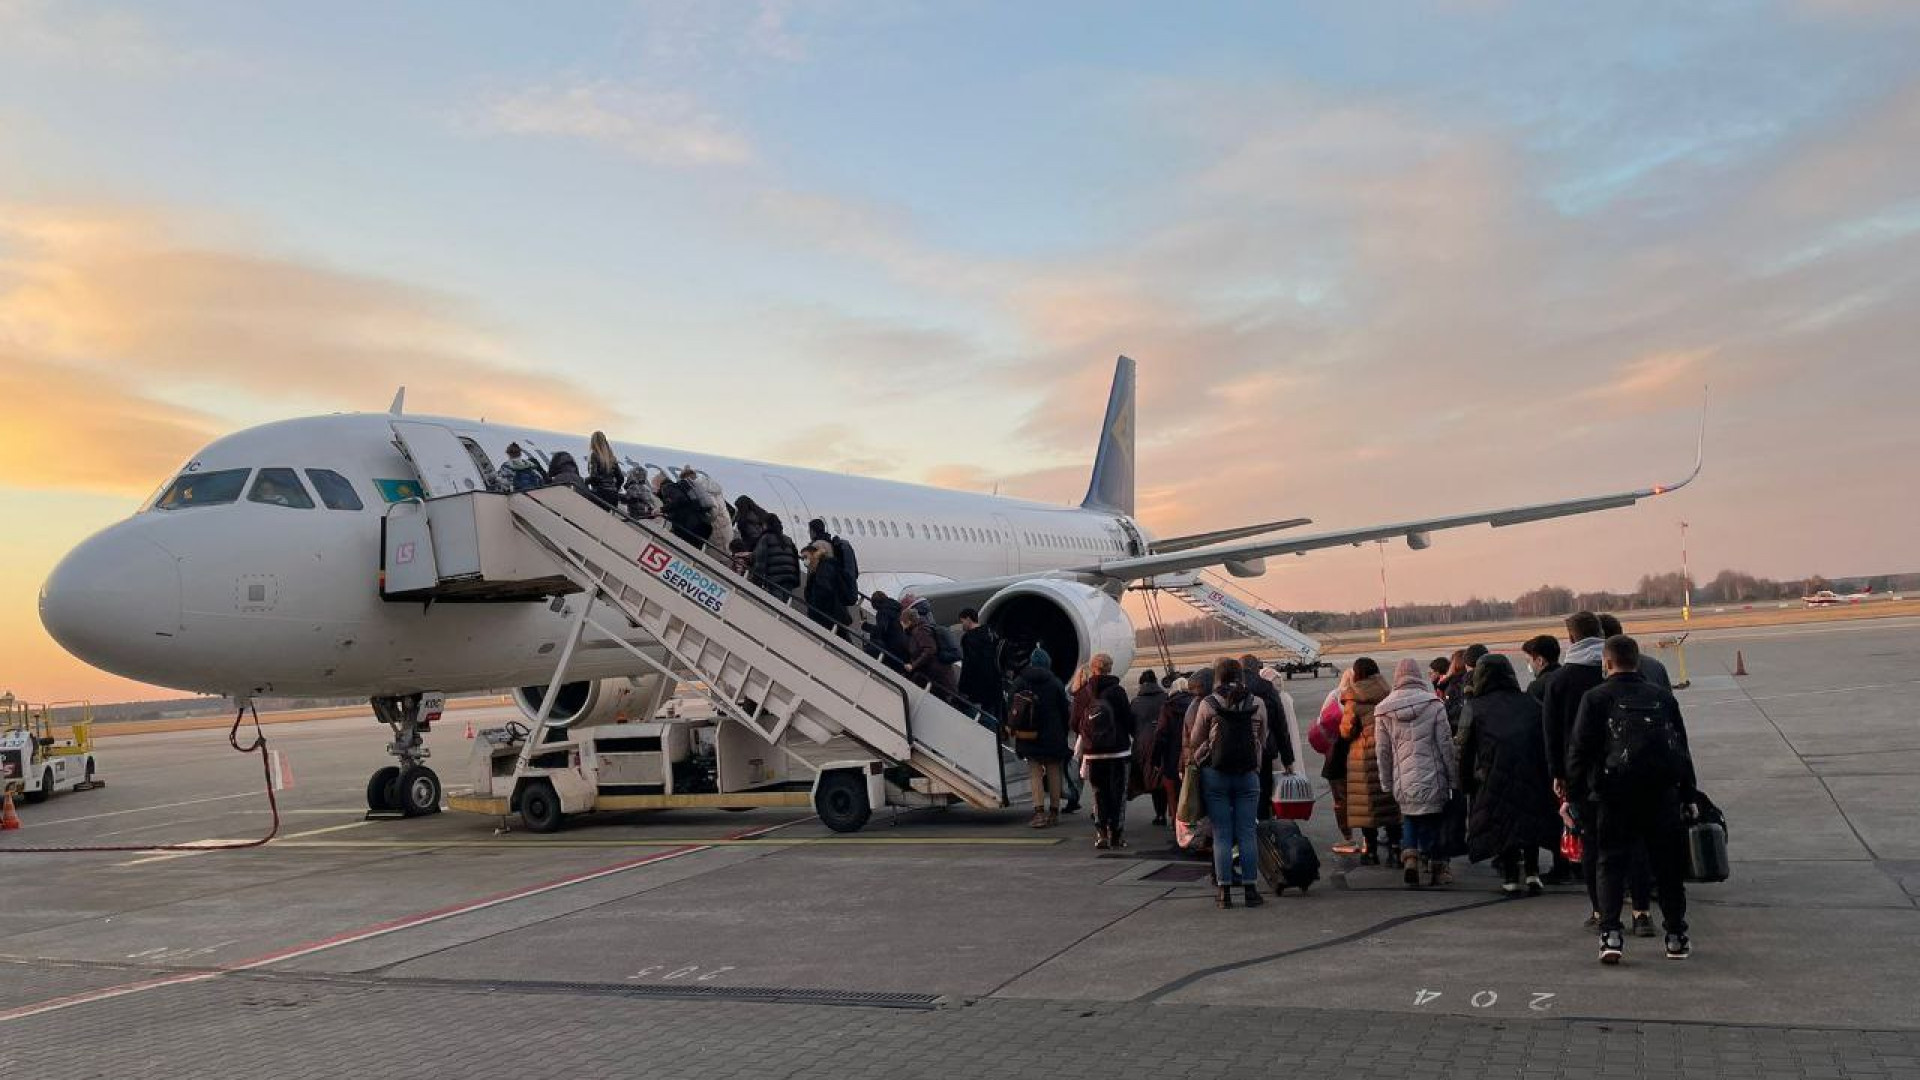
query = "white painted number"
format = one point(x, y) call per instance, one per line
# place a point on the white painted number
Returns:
point(693, 972)
point(1422, 997)
point(1541, 1002)
point(1485, 999)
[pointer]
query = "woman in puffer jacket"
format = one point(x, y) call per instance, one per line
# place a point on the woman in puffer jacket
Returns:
point(1370, 808)
point(1417, 768)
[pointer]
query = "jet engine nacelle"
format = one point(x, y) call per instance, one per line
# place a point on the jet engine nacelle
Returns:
point(1072, 620)
point(598, 701)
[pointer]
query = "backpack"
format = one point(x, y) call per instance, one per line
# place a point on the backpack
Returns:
point(1023, 721)
point(1103, 728)
point(946, 644)
point(526, 479)
point(849, 570)
point(1234, 751)
point(1644, 752)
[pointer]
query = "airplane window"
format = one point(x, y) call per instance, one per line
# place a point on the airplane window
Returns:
point(893, 529)
point(280, 487)
point(334, 490)
point(203, 489)
point(860, 527)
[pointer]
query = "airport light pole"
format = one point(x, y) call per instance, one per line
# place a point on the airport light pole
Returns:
point(1686, 579)
point(1383, 591)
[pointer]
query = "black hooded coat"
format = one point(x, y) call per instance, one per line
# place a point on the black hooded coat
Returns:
point(1503, 765)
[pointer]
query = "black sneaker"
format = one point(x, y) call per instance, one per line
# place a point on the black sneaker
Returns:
point(1612, 947)
point(1678, 947)
point(1534, 887)
point(1643, 925)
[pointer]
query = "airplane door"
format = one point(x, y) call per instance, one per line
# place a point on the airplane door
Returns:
point(439, 457)
point(1009, 543)
point(796, 516)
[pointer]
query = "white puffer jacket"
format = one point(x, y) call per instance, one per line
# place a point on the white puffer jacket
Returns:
point(1415, 750)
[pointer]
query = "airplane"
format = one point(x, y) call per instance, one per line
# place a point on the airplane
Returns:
point(1828, 598)
point(254, 571)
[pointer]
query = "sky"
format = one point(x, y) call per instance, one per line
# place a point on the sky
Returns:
point(1376, 261)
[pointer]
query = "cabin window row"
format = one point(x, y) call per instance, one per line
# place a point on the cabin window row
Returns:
point(965, 534)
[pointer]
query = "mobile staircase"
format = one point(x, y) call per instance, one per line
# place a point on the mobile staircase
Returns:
point(859, 733)
point(1213, 596)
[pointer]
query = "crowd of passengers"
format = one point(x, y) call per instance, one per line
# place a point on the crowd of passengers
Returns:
point(1439, 761)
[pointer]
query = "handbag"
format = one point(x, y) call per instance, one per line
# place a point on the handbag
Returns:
point(1192, 806)
point(1572, 846)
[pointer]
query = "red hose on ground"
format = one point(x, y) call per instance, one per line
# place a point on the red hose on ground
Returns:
point(259, 745)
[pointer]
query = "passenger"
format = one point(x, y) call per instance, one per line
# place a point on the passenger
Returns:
point(691, 520)
point(1148, 701)
point(519, 472)
point(1579, 674)
point(980, 679)
point(1080, 691)
point(712, 501)
point(749, 521)
point(824, 600)
point(776, 563)
point(886, 639)
point(1543, 659)
point(1106, 745)
point(1437, 669)
point(604, 476)
point(637, 497)
point(1040, 701)
point(1414, 748)
point(1277, 747)
point(1163, 760)
point(1287, 746)
point(1333, 762)
point(1226, 738)
point(1503, 769)
point(1630, 761)
point(1460, 683)
point(562, 470)
point(924, 665)
point(845, 557)
point(1652, 670)
point(1369, 806)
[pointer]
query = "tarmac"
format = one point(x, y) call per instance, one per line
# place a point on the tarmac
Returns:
point(959, 943)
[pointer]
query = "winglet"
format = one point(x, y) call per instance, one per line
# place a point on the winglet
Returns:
point(1111, 489)
point(1699, 454)
point(399, 401)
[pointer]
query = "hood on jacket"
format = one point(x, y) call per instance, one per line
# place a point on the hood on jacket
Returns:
point(1586, 651)
point(1493, 674)
point(1371, 689)
point(1411, 674)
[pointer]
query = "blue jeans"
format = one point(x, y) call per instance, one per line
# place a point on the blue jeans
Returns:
point(1420, 832)
point(1233, 799)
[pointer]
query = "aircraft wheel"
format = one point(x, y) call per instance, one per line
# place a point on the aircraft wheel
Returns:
point(382, 796)
point(46, 788)
point(419, 791)
point(540, 808)
point(841, 801)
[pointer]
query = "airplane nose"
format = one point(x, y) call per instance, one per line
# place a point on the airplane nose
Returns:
point(114, 602)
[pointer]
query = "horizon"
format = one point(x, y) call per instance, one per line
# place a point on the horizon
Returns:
point(1376, 263)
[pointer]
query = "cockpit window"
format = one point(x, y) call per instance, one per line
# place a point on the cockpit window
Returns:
point(203, 489)
point(280, 487)
point(334, 490)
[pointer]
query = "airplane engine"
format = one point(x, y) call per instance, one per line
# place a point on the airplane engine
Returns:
point(599, 701)
point(1072, 620)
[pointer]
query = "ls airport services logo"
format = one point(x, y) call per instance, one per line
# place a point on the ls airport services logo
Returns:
point(687, 580)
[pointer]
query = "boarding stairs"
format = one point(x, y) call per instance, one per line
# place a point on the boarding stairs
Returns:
point(1213, 596)
point(800, 686)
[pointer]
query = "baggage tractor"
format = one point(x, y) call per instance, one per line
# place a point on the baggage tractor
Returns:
point(1287, 858)
point(1292, 797)
point(1707, 852)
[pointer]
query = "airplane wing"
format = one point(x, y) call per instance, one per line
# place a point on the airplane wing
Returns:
point(1221, 536)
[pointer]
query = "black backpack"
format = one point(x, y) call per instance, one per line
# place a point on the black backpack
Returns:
point(1234, 749)
point(1644, 751)
point(946, 644)
point(1103, 728)
point(1023, 721)
point(849, 570)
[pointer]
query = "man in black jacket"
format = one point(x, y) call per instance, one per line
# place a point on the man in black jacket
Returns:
point(980, 678)
point(1106, 745)
point(1279, 746)
point(1629, 761)
point(1543, 659)
point(776, 562)
point(1652, 670)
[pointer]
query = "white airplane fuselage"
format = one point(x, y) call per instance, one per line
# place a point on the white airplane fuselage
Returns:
point(249, 598)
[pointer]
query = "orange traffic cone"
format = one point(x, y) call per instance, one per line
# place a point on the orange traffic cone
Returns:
point(469, 728)
point(8, 819)
point(1739, 662)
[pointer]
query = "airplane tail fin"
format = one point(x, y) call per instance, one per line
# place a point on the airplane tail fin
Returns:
point(1111, 489)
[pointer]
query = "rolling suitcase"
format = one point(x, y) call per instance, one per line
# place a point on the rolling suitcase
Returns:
point(1287, 858)
point(1707, 852)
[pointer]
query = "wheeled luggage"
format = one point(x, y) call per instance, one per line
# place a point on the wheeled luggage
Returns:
point(1287, 858)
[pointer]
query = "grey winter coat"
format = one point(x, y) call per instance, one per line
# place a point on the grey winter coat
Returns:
point(1415, 746)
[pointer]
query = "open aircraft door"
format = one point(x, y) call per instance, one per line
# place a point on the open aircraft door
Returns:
point(439, 457)
point(1009, 543)
point(796, 516)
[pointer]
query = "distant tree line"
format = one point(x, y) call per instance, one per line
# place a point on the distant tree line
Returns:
point(1664, 590)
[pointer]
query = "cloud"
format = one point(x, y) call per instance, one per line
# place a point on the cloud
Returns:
point(164, 332)
point(103, 39)
point(96, 434)
point(661, 127)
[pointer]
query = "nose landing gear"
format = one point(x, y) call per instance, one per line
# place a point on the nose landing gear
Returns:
point(410, 788)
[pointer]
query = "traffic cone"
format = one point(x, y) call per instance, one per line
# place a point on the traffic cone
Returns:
point(8, 819)
point(1739, 662)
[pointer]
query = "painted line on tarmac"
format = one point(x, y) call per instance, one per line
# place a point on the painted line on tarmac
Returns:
point(216, 845)
point(145, 809)
point(376, 930)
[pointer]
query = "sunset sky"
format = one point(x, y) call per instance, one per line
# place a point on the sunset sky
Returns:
point(1375, 260)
